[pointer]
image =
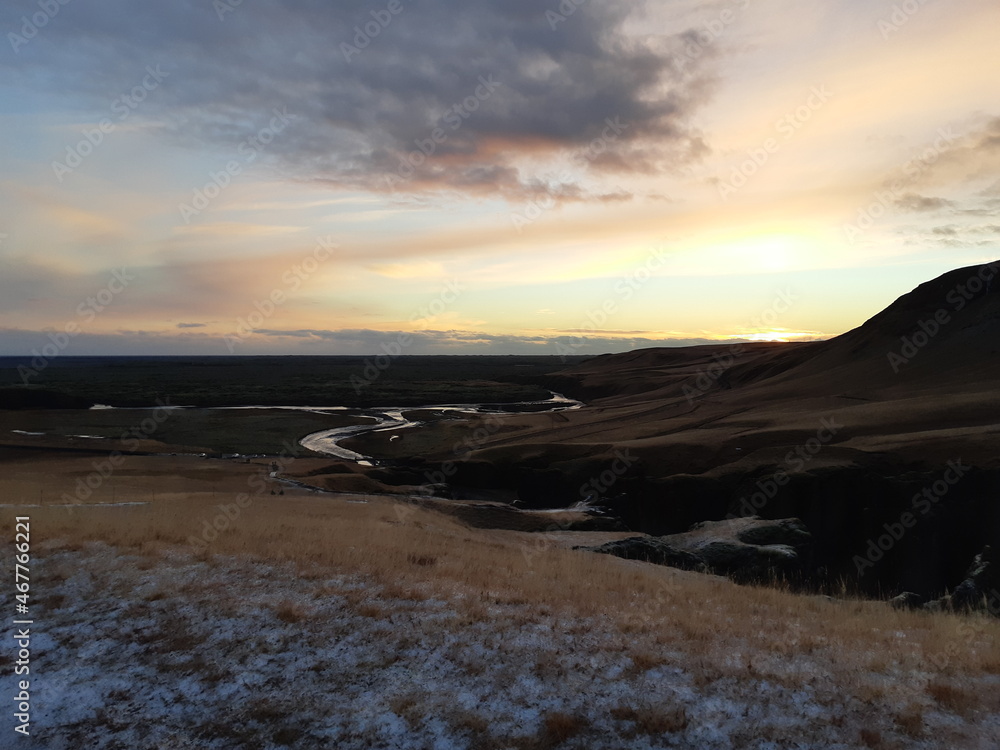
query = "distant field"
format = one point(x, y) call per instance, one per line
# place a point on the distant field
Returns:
point(278, 381)
point(252, 431)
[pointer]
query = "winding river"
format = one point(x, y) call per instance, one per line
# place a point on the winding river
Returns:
point(327, 442)
point(391, 418)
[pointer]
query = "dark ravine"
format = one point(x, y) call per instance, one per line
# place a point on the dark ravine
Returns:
point(853, 515)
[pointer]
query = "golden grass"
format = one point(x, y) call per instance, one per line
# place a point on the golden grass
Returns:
point(289, 611)
point(653, 720)
point(953, 697)
point(560, 726)
point(871, 652)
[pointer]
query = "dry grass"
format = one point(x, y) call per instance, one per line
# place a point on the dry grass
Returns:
point(427, 554)
point(911, 721)
point(653, 720)
point(866, 656)
point(643, 661)
point(872, 738)
point(290, 611)
point(421, 560)
point(955, 698)
point(559, 727)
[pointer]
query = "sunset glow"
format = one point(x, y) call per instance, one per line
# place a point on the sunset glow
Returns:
point(675, 167)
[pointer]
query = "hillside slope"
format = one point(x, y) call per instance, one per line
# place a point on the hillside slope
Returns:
point(854, 428)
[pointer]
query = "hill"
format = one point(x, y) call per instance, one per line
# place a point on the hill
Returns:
point(847, 434)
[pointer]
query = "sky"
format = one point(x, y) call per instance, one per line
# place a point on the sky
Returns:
point(484, 176)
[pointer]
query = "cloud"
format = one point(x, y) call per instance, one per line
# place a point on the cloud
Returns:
point(584, 341)
point(359, 341)
point(915, 202)
point(970, 158)
point(982, 229)
point(991, 190)
point(465, 94)
point(989, 137)
point(190, 325)
point(953, 235)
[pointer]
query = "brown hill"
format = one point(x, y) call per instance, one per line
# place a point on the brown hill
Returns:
point(945, 333)
point(853, 428)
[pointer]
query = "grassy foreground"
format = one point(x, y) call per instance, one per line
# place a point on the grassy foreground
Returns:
point(461, 637)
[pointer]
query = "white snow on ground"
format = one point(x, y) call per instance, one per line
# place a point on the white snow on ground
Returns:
point(170, 651)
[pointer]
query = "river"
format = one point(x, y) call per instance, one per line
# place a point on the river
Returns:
point(391, 418)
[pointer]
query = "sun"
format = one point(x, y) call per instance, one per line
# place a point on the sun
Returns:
point(768, 252)
point(783, 335)
point(766, 336)
point(764, 250)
